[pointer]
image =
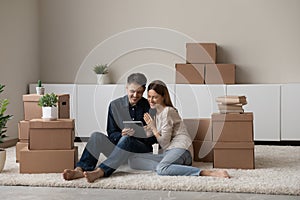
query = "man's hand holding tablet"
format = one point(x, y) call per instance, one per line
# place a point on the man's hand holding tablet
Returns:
point(133, 128)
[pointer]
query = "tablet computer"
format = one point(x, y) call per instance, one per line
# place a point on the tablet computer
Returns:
point(132, 124)
point(137, 126)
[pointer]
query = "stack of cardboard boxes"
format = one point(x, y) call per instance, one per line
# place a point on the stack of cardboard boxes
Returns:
point(201, 66)
point(233, 138)
point(46, 146)
point(201, 133)
point(226, 140)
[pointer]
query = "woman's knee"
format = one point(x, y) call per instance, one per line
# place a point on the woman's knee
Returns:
point(161, 169)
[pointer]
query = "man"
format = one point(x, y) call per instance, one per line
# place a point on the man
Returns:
point(120, 142)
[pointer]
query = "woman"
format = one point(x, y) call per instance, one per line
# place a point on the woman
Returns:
point(171, 134)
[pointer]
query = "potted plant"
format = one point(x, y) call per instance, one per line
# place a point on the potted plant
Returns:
point(102, 73)
point(40, 90)
point(48, 102)
point(3, 120)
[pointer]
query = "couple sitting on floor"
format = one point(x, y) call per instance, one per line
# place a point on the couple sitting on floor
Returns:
point(122, 145)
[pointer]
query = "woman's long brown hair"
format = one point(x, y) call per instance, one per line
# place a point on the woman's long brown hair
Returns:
point(160, 88)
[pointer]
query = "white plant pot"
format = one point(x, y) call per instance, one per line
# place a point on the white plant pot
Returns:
point(103, 79)
point(40, 90)
point(2, 159)
point(49, 113)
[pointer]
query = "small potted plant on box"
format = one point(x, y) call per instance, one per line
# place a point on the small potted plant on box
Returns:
point(3, 120)
point(102, 73)
point(40, 90)
point(48, 102)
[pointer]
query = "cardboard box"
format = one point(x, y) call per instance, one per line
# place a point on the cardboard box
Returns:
point(19, 146)
point(201, 53)
point(199, 129)
point(63, 106)
point(232, 127)
point(220, 74)
point(203, 151)
point(23, 129)
point(31, 108)
point(51, 135)
point(189, 73)
point(33, 111)
point(47, 161)
point(239, 155)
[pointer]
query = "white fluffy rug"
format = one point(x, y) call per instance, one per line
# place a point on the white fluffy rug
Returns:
point(277, 172)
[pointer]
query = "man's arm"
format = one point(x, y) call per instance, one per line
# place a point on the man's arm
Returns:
point(113, 130)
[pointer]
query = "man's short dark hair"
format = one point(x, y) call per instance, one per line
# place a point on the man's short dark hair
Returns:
point(137, 78)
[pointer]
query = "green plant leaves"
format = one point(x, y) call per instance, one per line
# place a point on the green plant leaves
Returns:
point(48, 100)
point(101, 69)
point(3, 118)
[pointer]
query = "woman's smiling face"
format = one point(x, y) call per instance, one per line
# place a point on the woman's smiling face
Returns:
point(155, 99)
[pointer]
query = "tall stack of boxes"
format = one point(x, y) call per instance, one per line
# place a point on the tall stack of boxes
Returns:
point(201, 132)
point(46, 146)
point(226, 139)
point(233, 138)
point(202, 68)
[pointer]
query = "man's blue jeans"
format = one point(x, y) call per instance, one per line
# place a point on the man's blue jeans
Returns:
point(116, 154)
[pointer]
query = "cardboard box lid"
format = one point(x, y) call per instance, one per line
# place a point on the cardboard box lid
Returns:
point(23, 129)
point(36, 97)
point(204, 45)
point(31, 97)
point(59, 123)
point(247, 116)
point(63, 97)
point(234, 145)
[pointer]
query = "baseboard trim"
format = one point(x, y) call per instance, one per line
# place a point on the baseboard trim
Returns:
point(9, 143)
point(275, 143)
point(81, 139)
point(278, 143)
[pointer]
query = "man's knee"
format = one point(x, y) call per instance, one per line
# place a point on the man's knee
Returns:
point(96, 136)
point(125, 140)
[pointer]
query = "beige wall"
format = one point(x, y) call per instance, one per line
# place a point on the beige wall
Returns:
point(19, 56)
point(55, 40)
point(261, 37)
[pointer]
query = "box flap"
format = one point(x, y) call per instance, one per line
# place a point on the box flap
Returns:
point(234, 145)
point(63, 97)
point(31, 97)
point(248, 116)
point(36, 97)
point(202, 44)
point(59, 123)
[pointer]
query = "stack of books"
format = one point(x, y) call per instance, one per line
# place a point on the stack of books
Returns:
point(231, 104)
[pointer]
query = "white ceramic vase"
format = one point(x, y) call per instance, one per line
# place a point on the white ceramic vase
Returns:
point(49, 113)
point(40, 90)
point(2, 159)
point(102, 79)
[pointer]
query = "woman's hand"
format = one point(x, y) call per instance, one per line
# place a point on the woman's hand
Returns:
point(149, 121)
point(151, 124)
